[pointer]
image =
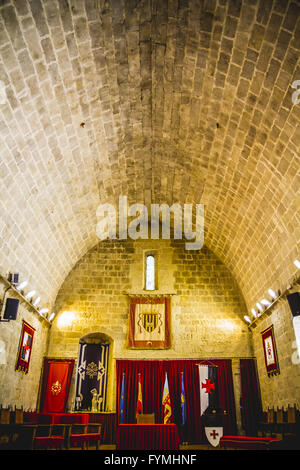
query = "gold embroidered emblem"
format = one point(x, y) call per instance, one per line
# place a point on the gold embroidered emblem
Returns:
point(91, 370)
point(56, 388)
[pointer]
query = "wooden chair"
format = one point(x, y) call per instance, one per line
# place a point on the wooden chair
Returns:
point(5, 416)
point(49, 436)
point(279, 429)
point(25, 437)
point(77, 435)
point(58, 436)
point(84, 434)
point(262, 425)
point(94, 434)
point(145, 418)
point(291, 414)
point(18, 416)
point(270, 428)
point(42, 437)
point(290, 427)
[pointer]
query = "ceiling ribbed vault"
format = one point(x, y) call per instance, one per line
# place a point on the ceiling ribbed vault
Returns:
point(163, 101)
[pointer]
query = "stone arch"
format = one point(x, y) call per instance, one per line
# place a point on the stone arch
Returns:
point(103, 369)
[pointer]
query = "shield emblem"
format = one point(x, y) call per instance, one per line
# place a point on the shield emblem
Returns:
point(214, 435)
point(149, 321)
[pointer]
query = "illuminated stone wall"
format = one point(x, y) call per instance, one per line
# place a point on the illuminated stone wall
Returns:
point(17, 388)
point(207, 306)
point(283, 389)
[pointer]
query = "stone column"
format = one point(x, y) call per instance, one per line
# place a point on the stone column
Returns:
point(236, 373)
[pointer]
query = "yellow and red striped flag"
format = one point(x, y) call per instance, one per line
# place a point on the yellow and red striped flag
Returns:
point(139, 404)
point(166, 402)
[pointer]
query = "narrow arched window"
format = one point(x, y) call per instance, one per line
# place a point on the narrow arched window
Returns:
point(150, 272)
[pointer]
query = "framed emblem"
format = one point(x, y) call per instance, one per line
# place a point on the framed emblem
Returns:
point(149, 323)
point(270, 353)
point(25, 347)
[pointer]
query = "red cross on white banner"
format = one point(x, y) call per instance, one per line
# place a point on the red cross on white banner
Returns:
point(208, 385)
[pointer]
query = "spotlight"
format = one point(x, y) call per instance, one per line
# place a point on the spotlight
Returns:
point(43, 310)
point(21, 285)
point(51, 316)
point(297, 263)
point(30, 294)
point(254, 312)
point(258, 305)
point(36, 301)
point(272, 293)
point(266, 302)
point(247, 319)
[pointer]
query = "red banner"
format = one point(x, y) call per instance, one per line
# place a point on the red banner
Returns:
point(57, 386)
point(25, 348)
point(270, 352)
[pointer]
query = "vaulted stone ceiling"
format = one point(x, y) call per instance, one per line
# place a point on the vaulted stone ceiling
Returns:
point(160, 100)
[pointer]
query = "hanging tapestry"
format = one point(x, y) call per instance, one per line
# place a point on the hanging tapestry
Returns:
point(91, 383)
point(56, 384)
point(25, 347)
point(149, 323)
point(270, 352)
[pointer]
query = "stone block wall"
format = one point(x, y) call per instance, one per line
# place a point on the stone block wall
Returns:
point(283, 389)
point(207, 307)
point(17, 388)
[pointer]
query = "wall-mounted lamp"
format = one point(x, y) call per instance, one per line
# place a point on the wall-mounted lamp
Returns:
point(254, 313)
point(30, 295)
point(36, 301)
point(51, 316)
point(266, 302)
point(272, 293)
point(11, 305)
point(43, 311)
point(21, 285)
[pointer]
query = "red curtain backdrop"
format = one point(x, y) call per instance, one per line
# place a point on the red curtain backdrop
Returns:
point(153, 374)
point(56, 384)
point(250, 397)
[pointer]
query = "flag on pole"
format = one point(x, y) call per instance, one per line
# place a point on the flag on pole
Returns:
point(209, 393)
point(139, 404)
point(183, 402)
point(122, 402)
point(166, 402)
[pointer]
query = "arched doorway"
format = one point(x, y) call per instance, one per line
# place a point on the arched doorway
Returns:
point(93, 373)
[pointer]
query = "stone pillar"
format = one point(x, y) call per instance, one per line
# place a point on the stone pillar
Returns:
point(236, 373)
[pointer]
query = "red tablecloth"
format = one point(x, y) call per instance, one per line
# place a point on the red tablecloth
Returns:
point(147, 437)
point(245, 442)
